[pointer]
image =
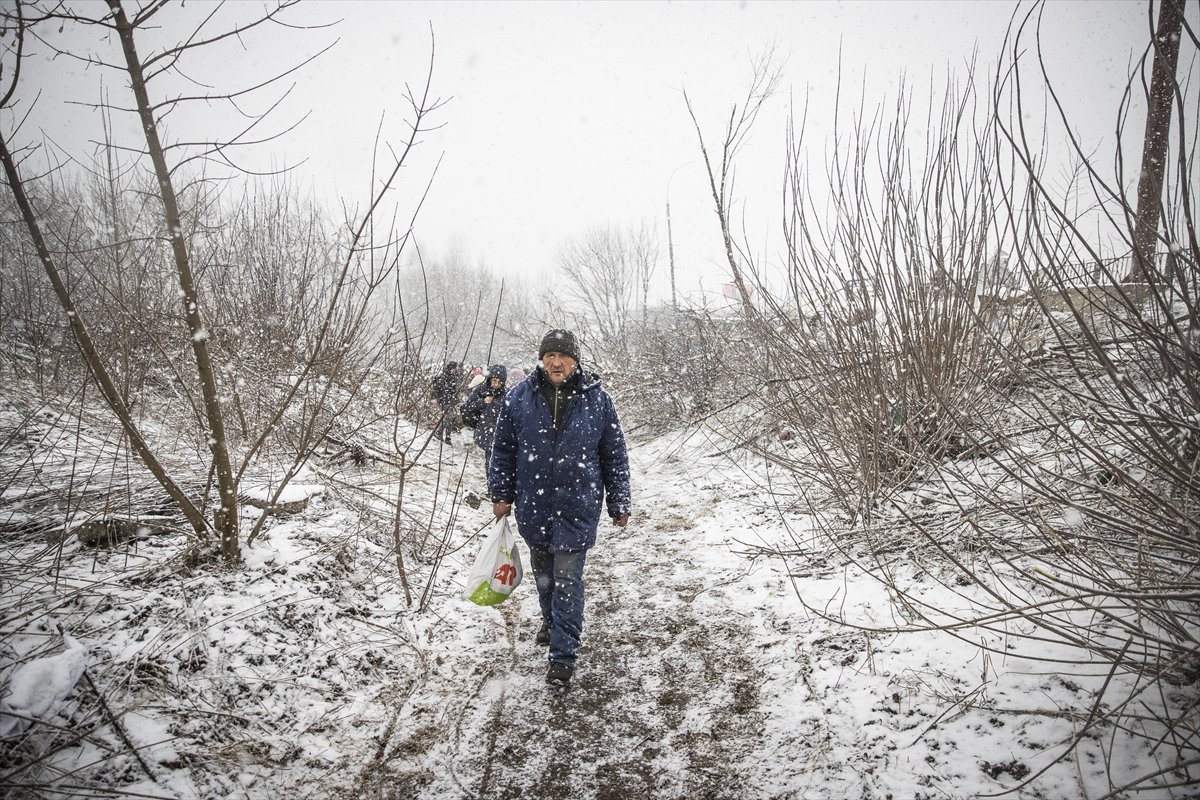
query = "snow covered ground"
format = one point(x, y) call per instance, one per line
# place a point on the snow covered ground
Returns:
point(705, 671)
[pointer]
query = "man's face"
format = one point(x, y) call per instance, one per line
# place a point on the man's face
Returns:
point(496, 383)
point(558, 366)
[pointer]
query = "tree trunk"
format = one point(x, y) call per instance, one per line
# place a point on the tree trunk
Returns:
point(112, 395)
point(225, 516)
point(1154, 149)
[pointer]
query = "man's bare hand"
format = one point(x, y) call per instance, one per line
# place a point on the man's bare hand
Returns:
point(501, 509)
point(621, 521)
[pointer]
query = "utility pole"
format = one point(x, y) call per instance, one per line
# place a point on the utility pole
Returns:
point(670, 251)
point(670, 240)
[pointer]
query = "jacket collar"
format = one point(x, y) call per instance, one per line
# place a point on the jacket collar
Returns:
point(579, 380)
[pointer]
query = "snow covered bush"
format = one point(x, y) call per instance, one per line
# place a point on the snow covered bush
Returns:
point(994, 394)
point(887, 330)
point(682, 366)
point(1073, 528)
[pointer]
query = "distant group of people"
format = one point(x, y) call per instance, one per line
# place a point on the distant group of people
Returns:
point(555, 452)
point(481, 387)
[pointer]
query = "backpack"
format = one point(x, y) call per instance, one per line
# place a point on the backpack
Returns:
point(470, 416)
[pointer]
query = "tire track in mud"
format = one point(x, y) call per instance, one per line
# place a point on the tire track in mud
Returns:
point(664, 704)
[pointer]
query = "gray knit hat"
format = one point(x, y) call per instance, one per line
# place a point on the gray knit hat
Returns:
point(559, 341)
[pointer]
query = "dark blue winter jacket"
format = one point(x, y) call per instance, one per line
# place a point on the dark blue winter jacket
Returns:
point(482, 413)
point(558, 478)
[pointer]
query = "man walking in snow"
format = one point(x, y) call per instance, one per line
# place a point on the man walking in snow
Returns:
point(558, 451)
point(445, 390)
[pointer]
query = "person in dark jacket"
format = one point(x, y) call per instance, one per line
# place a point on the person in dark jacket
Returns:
point(482, 408)
point(558, 451)
point(445, 392)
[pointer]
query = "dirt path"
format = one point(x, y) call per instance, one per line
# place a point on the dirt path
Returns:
point(664, 703)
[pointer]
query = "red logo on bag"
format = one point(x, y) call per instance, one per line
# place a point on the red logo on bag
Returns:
point(506, 575)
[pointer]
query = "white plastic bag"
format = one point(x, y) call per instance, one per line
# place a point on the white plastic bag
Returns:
point(497, 569)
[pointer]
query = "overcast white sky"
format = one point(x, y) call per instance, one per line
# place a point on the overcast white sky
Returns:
point(566, 115)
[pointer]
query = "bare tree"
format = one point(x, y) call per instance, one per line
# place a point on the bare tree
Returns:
point(1161, 101)
point(348, 268)
point(645, 258)
point(886, 321)
point(604, 272)
point(720, 165)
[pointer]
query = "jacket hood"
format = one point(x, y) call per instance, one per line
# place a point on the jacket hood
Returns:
point(498, 371)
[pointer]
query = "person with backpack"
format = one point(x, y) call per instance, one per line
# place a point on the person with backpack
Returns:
point(482, 409)
point(445, 392)
point(557, 454)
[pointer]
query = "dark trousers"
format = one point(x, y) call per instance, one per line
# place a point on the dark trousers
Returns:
point(559, 578)
point(445, 423)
